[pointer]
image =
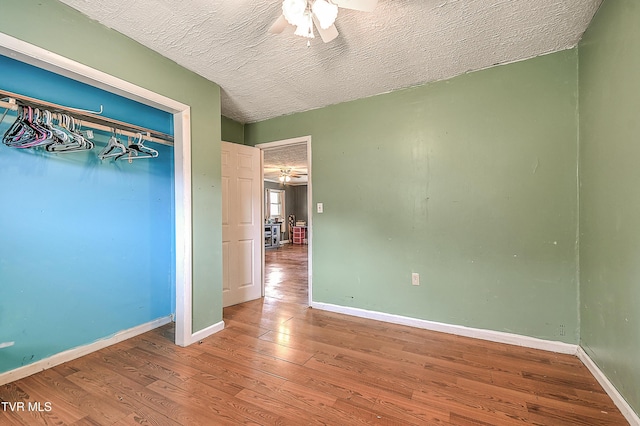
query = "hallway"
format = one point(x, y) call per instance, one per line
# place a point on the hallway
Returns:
point(286, 273)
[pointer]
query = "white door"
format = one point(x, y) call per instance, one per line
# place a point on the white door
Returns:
point(241, 224)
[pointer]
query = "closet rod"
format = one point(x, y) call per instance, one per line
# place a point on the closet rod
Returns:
point(87, 119)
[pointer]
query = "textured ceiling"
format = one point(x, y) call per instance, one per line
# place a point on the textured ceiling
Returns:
point(289, 158)
point(401, 43)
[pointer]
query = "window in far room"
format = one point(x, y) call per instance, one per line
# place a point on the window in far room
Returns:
point(275, 204)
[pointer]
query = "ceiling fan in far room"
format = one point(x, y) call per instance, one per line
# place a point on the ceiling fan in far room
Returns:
point(284, 175)
point(304, 14)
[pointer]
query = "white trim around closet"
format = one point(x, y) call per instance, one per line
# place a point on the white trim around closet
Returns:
point(39, 57)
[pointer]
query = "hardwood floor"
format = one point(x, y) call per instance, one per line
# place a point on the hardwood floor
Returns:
point(278, 362)
point(286, 274)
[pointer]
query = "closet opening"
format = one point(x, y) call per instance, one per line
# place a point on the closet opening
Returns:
point(180, 238)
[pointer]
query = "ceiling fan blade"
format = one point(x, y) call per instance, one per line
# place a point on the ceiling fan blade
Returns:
point(362, 5)
point(328, 34)
point(279, 26)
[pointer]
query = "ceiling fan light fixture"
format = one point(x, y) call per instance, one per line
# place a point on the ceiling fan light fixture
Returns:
point(325, 12)
point(305, 26)
point(294, 10)
point(321, 14)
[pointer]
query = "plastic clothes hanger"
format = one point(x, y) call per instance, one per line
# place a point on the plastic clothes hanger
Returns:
point(45, 134)
point(23, 133)
point(71, 143)
point(114, 148)
point(76, 143)
point(58, 132)
point(14, 131)
point(136, 150)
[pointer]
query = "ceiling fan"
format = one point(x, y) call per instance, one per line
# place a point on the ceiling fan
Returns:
point(287, 174)
point(304, 14)
point(284, 174)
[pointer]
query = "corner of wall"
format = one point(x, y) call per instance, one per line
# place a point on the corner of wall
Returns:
point(577, 243)
point(232, 131)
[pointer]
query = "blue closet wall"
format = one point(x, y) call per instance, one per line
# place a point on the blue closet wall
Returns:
point(86, 246)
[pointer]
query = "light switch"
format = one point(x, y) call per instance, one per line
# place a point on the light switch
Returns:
point(320, 208)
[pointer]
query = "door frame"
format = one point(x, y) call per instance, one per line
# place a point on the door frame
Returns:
point(42, 58)
point(280, 143)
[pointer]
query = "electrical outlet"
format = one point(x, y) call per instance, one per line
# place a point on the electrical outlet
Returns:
point(415, 278)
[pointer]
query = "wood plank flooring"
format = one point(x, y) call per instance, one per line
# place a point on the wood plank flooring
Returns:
point(278, 362)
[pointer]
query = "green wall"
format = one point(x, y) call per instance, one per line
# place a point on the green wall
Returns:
point(609, 197)
point(60, 29)
point(232, 131)
point(471, 182)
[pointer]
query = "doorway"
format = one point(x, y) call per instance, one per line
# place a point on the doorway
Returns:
point(286, 203)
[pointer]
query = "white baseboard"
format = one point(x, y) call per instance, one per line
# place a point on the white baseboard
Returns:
point(500, 337)
point(621, 403)
point(477, 333)
point(206, 332)
point(71, 354)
